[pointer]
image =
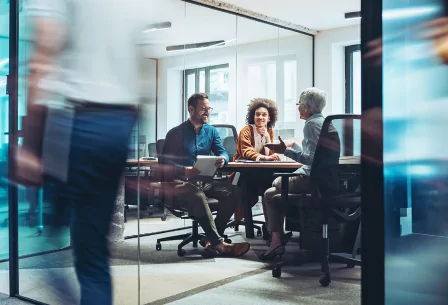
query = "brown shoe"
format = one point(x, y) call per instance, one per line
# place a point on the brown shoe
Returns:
point(232, 250)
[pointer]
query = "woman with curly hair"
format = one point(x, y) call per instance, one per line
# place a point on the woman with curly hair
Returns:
point(260, 119)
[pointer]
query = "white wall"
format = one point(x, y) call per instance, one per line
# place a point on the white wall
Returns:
point(329, 64)
point(170, 76)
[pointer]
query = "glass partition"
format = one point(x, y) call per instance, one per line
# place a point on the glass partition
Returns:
point(415, 163)
point(230, 58)
point(4, 128)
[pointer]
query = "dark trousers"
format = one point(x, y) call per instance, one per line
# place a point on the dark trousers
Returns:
point(194, 198)
point(98, 151)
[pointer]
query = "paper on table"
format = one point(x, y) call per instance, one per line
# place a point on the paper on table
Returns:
point(206, 165)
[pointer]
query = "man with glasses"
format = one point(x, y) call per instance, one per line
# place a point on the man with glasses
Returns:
point(182, 145)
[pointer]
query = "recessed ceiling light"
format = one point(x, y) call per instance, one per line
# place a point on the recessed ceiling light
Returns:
point(157, 27)
point(352, 15)
point(196, 45)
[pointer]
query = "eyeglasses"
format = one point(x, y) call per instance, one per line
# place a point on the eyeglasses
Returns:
point(204, 109)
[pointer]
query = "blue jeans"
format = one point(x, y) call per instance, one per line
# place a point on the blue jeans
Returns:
point(98, 151)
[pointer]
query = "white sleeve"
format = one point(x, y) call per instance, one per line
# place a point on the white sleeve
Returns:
point(47, 8)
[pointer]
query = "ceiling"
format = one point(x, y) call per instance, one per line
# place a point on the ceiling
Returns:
point(316, 14)
point(195, 24)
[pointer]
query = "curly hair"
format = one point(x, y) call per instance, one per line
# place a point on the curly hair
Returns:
point(256, 103)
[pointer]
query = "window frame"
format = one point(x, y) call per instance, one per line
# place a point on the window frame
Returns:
point(196, 71)
point(349, 51)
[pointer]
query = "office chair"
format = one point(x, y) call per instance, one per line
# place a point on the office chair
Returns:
point(335, 190)
point(132, 196)
point(186, 238)
point(152, 150)
point(159, 147)
point(229, 135)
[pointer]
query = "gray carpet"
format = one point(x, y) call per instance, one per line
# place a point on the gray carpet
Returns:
point(167, 278)
point(6, 300)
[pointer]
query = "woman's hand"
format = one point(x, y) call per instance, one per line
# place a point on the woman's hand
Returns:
point(264, 132)
point(273, 157)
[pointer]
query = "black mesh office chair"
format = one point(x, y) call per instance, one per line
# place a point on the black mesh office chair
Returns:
point(159, 146)
point(186, 238)
point(152, 150)
point(335, 191)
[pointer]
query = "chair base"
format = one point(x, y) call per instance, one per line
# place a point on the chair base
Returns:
point(261, 231)
point(194, 237)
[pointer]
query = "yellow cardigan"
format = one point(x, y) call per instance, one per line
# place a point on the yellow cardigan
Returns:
point(246, 142)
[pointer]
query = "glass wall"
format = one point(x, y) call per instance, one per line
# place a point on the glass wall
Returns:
point(233, 60)
point(4, 121)
point(415, 162)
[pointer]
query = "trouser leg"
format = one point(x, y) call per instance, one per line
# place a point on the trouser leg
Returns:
point(190, 197)
point(275, 214)
point(228, 196)
point(97, 158)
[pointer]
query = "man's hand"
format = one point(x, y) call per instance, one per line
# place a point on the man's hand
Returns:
point(191, 172)
point(220, 163)
point(277, 148)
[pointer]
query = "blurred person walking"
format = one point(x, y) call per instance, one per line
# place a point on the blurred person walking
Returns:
point(85, 52)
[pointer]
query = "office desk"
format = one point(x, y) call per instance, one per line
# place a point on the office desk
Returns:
point(256, 170)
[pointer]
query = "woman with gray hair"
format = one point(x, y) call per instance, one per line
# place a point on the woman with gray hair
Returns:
point(311, 103)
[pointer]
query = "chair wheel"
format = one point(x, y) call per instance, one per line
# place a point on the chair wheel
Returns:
point(228, 240)
point(277, 272)
point(163, 217)
point(350, 266)
point(324, 281)
point(158, 246)
point(181, 252)
point(259, 233)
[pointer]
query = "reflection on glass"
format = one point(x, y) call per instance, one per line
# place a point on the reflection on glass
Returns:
point(415, 162)
point(4, 121)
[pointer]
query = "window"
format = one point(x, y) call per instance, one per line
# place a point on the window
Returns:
point(276, 79)
point(214, 81)
point(353, 79)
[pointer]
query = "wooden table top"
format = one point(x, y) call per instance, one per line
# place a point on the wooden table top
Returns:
point(143, 162)
point(279, 164)
point(293, 165)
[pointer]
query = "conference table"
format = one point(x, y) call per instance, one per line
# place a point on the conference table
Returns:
point(248, 171)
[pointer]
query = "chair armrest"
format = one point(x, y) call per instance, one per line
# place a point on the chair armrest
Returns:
point(285, 175)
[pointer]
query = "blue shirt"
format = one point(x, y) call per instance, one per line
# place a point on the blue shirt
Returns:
point(305, 154)
point(182, 146)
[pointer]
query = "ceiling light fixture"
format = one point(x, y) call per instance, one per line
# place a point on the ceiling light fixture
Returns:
point(353, 15)
point(196, 45)
point(157, 27)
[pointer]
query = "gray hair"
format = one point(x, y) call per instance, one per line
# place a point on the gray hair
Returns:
point(314, 99)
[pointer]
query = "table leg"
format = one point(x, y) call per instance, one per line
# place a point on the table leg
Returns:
point(248, 221)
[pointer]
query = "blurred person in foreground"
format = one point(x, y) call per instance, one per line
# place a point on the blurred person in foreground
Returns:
point(261, 117)
point(311, 103)
point(182, 145)
point(85, 51)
